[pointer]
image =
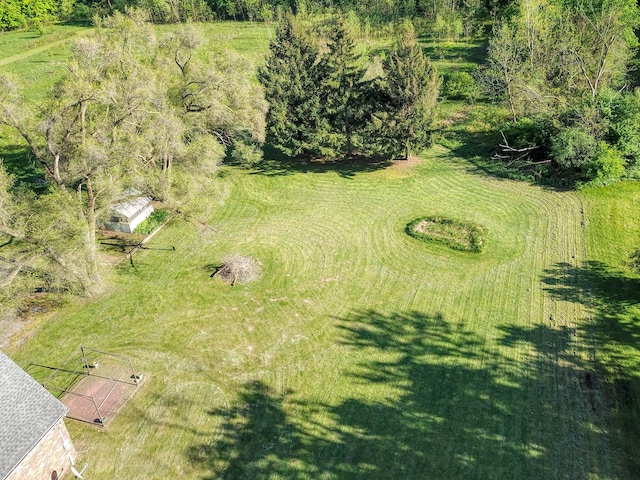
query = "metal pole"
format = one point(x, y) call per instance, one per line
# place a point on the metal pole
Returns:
point(84, 360)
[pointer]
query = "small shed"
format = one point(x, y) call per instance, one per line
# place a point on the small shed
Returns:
point(128, 214)
point(34, 441)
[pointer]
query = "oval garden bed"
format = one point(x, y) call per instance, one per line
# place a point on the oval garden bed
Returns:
point(464, 236)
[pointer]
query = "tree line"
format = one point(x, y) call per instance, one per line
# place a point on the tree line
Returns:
point(325, 102)
point(448, 18)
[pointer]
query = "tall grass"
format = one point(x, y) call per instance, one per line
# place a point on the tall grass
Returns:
point(612, 291)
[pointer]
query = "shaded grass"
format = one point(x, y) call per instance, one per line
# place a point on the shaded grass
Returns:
point(360, 353)
point(456, 56)
point(612, 291)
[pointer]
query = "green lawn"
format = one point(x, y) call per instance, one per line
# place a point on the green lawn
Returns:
point(614, 296)
point(362, 352)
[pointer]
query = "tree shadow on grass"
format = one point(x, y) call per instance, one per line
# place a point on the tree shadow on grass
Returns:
point(479, 148)
point(455, 52)
point(612, 297)
point(256, 440)
point(276, 164)
point(19, 162)
point(610, 294)
point(427, 398)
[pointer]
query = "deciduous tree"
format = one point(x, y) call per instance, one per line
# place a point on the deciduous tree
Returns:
point(121, 119)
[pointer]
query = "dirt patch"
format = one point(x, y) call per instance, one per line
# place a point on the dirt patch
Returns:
point(404, 165)
point(116, 246)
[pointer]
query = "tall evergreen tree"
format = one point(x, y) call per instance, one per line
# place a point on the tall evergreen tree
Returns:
point(344, 92)
point(291, 80)
point(409, 95)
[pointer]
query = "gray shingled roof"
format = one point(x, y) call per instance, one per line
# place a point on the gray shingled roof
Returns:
point(27, 413)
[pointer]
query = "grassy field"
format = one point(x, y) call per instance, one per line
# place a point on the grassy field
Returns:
point(363, 353)
point(38, 60)
point(613, 290)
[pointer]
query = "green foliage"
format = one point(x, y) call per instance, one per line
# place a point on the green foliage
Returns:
point(409, 90)
point(322, 104)
point(243, 153)
point(621, 112)
point(134, 113)
point(292, 80)
point(531, 139)
point(343, 92)
point(463, 236)
point(448, 26)
point(33, 13)
point(561, 61)
point(573, 147)
point(461, 85)
point(39, 253)
point(11, 16)
point(157, 218)
point(607, 166)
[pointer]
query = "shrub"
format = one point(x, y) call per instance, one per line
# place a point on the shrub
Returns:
point(573, 147)
point(243, 153)
point(461, 86)
point(463, 236)
point(529, 132)
point(448, 27)
point(607, 166)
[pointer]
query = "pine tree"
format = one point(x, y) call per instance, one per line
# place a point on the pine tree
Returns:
point(291, 80)
point(409, 94)
point(344, 92)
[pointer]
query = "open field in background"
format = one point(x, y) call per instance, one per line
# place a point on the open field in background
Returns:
point(364, 353)
point(38, 61)
point(361, 353)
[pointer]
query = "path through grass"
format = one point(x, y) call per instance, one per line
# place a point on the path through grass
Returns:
point(361, 353)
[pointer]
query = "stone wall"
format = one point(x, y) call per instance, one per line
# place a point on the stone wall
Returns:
point(49, 459)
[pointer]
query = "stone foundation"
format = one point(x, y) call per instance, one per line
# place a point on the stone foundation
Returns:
point(49, 459)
